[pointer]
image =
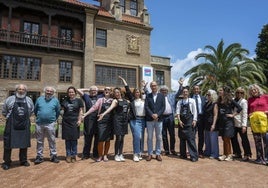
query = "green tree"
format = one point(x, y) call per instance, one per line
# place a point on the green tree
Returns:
point(262, 50)
point(229, 66)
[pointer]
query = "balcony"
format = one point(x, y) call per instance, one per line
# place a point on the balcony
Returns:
point(40, 40)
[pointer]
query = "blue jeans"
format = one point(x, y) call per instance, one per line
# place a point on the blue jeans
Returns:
point(137, 128)
point(212, 144)
point(151, 127)
point(71, 147)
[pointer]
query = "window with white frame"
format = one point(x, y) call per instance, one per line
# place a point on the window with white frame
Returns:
point(160, 77)
point(19, 67)
point(65, 71)
point(122, 4)
point(134, 7)
point(101, 37)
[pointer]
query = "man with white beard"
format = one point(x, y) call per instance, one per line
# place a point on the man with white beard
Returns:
point(17, 109)
point(47, 111)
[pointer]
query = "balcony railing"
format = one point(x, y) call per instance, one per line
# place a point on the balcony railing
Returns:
point(40, 40)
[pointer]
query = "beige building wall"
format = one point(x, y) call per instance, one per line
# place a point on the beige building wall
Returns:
point(162, 64)
point(49, 75)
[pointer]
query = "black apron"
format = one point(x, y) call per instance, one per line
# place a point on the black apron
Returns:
point(187, 118)
point(121, 118)
point(17, 132)
point(105, 126)
point(70, 130)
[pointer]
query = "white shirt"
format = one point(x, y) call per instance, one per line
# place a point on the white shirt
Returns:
point(241, 118)
point(168, 109)
point(139, 107)
point(199, 103)
point(191, 105)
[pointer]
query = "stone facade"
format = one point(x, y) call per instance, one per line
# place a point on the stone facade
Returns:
point(128, 41)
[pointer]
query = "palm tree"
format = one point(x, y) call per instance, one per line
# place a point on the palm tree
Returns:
point(228, 66)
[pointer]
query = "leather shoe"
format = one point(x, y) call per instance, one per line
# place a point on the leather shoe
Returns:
point(183, 156)
point(166, 153)
point(25, 163)
point(85, 157)
point(5, 166)
point(174, 153)
point(201, 156)
point(149, 158)
point(158, 157)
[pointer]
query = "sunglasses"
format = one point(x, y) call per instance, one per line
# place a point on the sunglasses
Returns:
point(107, 89)
point(239, 92)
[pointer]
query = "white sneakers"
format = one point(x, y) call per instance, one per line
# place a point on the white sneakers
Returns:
point(119, 158)
point(136, 158)
point(140, 156)
point(222, 158)
point(226, 158)
point(229, 158)
point(122, 158)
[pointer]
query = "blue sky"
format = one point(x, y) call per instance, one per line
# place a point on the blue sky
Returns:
point(183, 27)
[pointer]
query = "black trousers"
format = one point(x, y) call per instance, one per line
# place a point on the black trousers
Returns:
point(90, 132)
point(245, 142)
point(7, 155)
point(201, 134)
point(187, 135)
point(168, 127)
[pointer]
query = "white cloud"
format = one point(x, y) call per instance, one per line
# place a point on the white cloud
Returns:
point(180, 66)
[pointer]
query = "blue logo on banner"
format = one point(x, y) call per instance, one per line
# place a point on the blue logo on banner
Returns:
point(147, 72)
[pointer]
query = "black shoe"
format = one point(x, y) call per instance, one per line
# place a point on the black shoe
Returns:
point(174, 153)
point(54, 159)
point(237, 156)
point(95, 156)
point(166, 153)
point(85, 157)
point(5, 166)
point(25, 163)
point(194, 159)
point(38, 160)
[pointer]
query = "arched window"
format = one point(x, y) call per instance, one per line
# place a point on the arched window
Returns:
point(134, 7)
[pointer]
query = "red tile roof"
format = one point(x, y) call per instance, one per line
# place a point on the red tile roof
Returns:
point(79, 3)
point(131, 19)
point(103, 12)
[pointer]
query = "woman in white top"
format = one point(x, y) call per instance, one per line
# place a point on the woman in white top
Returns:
point(241, 126)
point(137, 119)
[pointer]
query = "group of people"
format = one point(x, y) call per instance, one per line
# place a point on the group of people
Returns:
point(107, 115)
point(226, 114)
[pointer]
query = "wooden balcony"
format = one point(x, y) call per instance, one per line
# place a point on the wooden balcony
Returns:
point(40, 40)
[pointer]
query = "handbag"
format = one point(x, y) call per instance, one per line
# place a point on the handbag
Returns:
point(258, 122)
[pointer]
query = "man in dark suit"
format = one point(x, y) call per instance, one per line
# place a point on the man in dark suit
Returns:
point(200, 103)
point(154, 108)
